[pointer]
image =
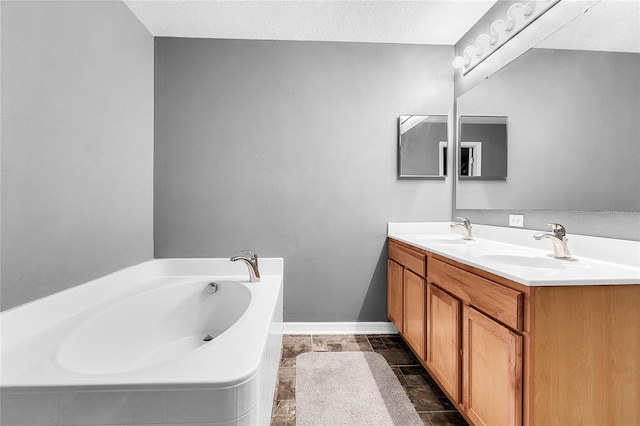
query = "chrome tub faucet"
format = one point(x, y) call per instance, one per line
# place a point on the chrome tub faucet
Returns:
point(558, 238)
point(252, 265)
point(465, 225)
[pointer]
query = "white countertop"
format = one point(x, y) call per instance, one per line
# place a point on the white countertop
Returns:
point(514, 254)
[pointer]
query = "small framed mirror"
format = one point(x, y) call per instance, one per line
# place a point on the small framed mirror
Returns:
point(482, 147)
point(422, 146)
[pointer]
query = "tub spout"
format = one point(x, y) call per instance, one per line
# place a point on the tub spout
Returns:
point(252, 265)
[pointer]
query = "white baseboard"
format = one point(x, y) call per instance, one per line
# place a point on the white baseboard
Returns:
point(339, 328)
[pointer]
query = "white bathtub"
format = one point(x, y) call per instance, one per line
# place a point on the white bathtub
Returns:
point(129, 348)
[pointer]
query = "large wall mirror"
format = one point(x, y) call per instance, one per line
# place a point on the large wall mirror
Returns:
point(422, 146)
point(573, 108)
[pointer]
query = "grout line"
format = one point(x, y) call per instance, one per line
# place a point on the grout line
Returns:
point(369, 342)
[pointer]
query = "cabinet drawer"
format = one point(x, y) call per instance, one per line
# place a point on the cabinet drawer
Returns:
point(497, 301)
point(417, 262)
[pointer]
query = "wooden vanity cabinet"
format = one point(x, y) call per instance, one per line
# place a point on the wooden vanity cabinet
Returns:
point(406, 294)
point(509, 354)
point(459, 326)
point(475, 350)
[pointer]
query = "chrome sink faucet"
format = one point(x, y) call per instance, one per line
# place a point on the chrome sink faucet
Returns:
point(558, 238)
point(252, 264)
point(465, 225)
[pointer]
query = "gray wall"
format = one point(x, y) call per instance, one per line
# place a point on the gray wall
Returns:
point(77, 145)
point(289, 149)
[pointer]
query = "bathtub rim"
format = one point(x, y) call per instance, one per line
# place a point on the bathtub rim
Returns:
point(198, 268)
point(51, 304)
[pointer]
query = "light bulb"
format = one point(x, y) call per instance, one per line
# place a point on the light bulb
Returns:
point(459, 62)
point(510, 25)
point(469, 51)
point(497, 27)
point(529, 8)
point(516, 9)
point(483, 42)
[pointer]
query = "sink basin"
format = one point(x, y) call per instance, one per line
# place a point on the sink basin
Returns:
point(523, 260)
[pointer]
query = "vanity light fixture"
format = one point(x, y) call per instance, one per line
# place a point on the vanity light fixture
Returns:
point(519, 16)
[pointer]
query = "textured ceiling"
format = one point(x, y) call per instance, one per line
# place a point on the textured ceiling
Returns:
point(414, 22)
point(608, 26)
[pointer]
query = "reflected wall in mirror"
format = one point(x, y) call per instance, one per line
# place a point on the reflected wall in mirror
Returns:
point(573, 104)
point(422, 146)
point(483, 147)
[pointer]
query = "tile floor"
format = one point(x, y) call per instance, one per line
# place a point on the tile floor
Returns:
point(431, 404)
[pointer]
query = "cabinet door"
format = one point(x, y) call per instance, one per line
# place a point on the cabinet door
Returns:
point(414, 311)
point(443, 339)
point(394, 293)
point(491, 371)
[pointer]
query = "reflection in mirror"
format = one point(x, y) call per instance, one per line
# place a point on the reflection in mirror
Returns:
point(422, 146)
point(483, 147)
point(573, 104)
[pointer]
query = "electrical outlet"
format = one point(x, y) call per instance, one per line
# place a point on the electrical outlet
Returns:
point(516, 220)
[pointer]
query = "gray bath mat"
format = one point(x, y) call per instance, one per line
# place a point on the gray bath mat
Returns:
point(350, 388)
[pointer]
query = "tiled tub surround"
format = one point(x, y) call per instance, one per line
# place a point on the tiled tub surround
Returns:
point(600, 261)
point(226, 381)
point(433, 407)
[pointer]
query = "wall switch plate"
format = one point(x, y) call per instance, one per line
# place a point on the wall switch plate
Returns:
point(516, 220)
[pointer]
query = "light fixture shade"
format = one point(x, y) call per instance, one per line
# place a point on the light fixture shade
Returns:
point(519, 16)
